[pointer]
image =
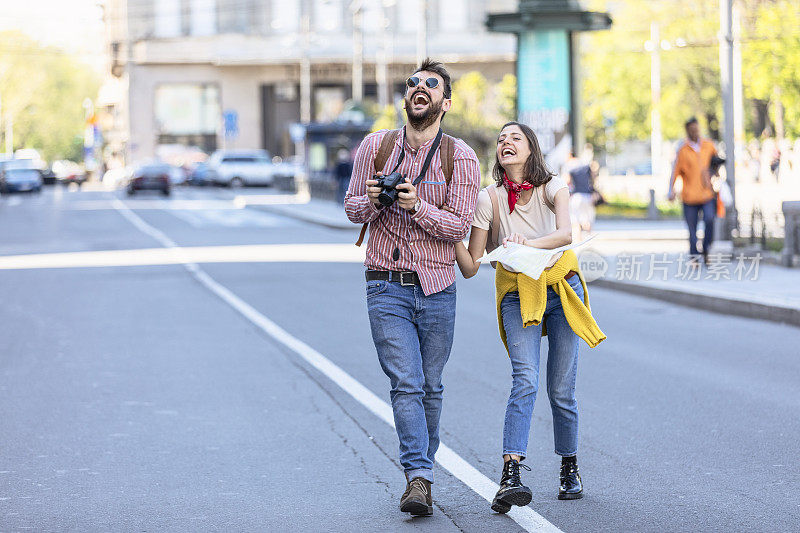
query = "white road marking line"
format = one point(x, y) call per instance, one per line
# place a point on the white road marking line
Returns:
point(244, 253)
point(526, 517)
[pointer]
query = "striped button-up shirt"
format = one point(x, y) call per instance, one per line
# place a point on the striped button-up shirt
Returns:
point(425, 240)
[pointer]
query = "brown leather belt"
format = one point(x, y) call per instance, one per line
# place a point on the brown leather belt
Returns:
point(570, 274)
point(405, 279)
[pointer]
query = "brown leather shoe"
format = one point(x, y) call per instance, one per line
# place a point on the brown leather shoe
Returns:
point(417, 498)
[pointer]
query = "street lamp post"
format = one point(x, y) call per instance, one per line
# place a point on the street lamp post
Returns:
point(358, 51)
point(422, 30)
point(726, 61)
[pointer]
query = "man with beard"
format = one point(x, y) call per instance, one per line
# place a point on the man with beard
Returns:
point(411, 291)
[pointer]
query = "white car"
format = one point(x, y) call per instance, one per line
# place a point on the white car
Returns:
point(235, 168)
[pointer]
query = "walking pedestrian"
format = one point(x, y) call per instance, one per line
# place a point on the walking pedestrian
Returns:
point(529, 205)
point(342, 172)
point(692, 165)
point(411, 291)
point(580, 179)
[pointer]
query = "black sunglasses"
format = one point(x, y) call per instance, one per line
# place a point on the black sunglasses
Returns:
point(413, 81)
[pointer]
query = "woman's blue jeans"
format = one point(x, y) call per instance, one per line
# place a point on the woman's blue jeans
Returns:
point(562, 366)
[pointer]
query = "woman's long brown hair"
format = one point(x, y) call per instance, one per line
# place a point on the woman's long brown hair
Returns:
point(535, 170)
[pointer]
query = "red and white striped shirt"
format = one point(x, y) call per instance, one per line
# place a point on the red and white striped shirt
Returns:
point(425, 240)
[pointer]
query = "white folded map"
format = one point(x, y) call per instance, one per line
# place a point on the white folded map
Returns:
point(526, 259)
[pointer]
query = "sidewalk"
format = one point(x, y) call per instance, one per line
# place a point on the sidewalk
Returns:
point(649, 258)
point(322, 212)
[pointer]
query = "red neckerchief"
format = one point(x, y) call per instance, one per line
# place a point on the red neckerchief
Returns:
point(514, 190)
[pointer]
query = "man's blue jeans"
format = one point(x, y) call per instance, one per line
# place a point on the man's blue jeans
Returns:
point(413, 334)
point(562, 368)
point(691, 214)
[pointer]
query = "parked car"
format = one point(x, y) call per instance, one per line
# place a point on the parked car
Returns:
point(199, 175)
point(69, 172)
point(19, 175)
point(286, 168)
point(152, 176)
point(177, 175)
point(235, 168)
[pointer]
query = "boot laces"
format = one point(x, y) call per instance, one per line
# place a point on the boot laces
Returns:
point(511, 473)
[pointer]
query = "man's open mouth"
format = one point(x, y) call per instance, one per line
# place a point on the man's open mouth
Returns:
point(420, 99)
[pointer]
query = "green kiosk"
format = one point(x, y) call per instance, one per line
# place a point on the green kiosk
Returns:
point(547, 88)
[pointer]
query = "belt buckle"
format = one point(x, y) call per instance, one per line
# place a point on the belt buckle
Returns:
point(402, 279)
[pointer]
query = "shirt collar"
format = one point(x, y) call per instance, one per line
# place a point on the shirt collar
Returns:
point(401, 141)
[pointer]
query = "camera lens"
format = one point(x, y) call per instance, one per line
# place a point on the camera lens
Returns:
point(387, 198)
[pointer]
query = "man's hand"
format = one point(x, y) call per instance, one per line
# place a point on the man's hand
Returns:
point(515, 237)
point(373, 190)
point(407, 197)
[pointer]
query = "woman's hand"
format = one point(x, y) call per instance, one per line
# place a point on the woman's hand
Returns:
point(515, 237)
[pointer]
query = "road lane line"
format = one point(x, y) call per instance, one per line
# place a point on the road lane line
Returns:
point(526, 517)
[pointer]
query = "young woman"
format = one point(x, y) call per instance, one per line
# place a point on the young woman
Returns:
point(532, 209)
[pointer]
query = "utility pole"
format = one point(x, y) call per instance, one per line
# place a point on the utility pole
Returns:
point(655, 99)
point(726, 70)
point(422, 31)
point(358, 51)
point(384, 55)
point(305, 74)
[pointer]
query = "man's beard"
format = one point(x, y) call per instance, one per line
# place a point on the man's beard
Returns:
point(423, 119)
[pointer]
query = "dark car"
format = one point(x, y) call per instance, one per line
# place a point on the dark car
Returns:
point(154, 177)
point(19, 176)
point(48, 176)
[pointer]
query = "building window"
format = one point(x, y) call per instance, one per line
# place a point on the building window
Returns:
point(372, 17)
point(187, 109)
point(235, 16)
point(285, 16)
point(453, 15)
point(328, 103)
point(409, 15)
point(328, 15)
point(167, 21)
point(203, 17)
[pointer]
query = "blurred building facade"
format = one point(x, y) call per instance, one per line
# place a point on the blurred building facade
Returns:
point(236, 73)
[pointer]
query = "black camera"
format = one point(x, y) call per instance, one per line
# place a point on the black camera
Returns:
point(389, 185)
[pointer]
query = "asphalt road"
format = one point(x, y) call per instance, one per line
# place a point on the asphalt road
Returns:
point(135, 398)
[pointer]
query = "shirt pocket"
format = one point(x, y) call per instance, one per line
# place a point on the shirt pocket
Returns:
point(433, 190)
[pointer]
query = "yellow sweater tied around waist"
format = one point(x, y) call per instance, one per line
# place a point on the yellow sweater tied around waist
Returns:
point(533, 298)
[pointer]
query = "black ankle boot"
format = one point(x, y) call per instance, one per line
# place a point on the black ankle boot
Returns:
point(512, 491)
point(571, 487)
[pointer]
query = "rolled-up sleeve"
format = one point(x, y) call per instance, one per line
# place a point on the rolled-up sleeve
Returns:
point(357, 205)
point(462, 196)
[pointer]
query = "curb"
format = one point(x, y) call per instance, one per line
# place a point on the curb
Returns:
point(716, 304)
point(293, 212)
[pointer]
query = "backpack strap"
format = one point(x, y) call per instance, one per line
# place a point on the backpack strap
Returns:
point(494, 227)
point(447, 152)
point(384, 151)
point(547, 200)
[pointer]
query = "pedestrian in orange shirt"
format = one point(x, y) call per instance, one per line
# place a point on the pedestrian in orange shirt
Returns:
point(692, 165)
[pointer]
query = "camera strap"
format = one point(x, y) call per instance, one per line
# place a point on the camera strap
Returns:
point(427, 163)
point(435, 146)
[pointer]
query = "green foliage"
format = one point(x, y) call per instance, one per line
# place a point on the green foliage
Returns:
point(43, 90)
point(771, 58)
point(621, 206)
point(616, 67)
point(386, 119)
